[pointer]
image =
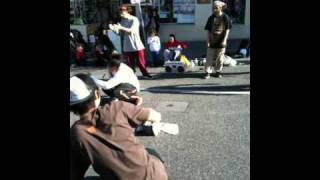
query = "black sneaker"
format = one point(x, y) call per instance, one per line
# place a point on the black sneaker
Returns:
point(207, 76)
point(148, 76)
point(218, 75)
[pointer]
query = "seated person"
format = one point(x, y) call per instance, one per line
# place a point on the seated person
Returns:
point(121, 77)
point(100, 53)
point(173, 48)
point(104, 136)
point(80, 54)
point(103, 47)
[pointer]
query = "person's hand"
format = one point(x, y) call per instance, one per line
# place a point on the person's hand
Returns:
point(154, 116)
point(208, 45)
point(179, 47)
point(111, 26)
point(223, 44)
point(138, 100)
point(118, 26)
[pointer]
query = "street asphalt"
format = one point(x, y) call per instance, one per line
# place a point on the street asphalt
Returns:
point(214, 130)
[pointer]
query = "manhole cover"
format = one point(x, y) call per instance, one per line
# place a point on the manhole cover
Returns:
point(172, 106)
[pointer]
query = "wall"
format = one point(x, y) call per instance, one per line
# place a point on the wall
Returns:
point(240, 31)
point(196, 32)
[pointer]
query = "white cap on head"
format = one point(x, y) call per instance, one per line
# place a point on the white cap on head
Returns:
point(78, 91)
point(219, 3)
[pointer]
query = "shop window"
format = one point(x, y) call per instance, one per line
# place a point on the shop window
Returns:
point(176, 11)
point(93, 11)
point(142, 2)
point(183, 11)
point(236, 10)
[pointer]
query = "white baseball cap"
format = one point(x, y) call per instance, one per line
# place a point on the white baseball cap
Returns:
point(78, 91)
point(219, 3)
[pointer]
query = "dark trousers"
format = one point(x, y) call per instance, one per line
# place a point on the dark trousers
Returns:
point(156, 58)
point(154, 153)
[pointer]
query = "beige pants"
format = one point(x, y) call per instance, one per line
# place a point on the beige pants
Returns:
point(214, 58)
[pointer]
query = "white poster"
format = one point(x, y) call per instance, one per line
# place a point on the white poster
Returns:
point(185, 18)
point(137, 1)
point(184, 10)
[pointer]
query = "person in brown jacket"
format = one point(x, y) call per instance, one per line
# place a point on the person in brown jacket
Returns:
point(104, 136)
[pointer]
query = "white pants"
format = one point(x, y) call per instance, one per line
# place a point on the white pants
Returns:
point(169, 54)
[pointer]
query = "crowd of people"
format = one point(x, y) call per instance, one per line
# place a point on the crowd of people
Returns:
point(104, 135)
point(217, 27)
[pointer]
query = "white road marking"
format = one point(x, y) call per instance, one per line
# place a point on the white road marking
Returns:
point(198, 92)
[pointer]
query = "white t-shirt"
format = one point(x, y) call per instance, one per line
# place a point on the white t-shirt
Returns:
point(154, 43)
point(124, 75)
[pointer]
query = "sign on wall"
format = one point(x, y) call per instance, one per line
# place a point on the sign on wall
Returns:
point(184, 10)
point(203, 1)
point(235, 9)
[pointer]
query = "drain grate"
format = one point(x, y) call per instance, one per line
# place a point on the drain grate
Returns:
point(172, 106)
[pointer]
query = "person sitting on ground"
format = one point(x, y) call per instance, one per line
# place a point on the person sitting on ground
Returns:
point(104, 136)
point(173, 48)
point(121, 76)
point(105, 40)
point(103, 46)
point(80, 54)
point(72, 50)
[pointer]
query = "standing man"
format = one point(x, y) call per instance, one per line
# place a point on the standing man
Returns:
point(133, 47)
point(218, 27)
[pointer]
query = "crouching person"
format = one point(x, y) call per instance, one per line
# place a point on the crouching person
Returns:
point(122, 81)
point(104, 136)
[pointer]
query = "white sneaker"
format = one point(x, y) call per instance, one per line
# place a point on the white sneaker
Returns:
point(170, 128)
point(147, 123)
point(207, 76)
point(156, 128)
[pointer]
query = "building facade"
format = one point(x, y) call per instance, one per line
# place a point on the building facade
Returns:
point(184, 18)
point(195, 31)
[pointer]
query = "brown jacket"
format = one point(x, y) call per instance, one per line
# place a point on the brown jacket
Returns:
point(109, 144)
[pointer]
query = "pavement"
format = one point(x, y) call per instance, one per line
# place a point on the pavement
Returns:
point(214, 129)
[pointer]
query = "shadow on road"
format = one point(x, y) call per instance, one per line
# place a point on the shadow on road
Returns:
point(92, 178)
point(198, 89)
point(234, 73)
point(196, 75)
point(165, 75)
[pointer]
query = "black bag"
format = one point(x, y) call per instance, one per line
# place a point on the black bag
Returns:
point(123, 92)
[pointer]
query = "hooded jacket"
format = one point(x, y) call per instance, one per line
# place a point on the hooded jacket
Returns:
point(175, 44)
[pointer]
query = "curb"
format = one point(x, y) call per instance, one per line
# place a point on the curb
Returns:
point(243, 60)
